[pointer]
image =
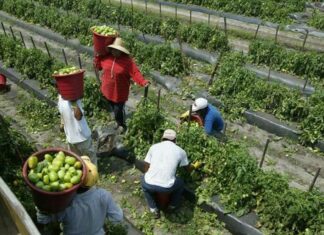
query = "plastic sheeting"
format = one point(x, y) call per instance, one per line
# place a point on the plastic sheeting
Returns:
point(286, 79)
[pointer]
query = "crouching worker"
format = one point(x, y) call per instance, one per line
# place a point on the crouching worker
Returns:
point(77, 131)
point(161, 163)
point(88, 209)
point(211, 117)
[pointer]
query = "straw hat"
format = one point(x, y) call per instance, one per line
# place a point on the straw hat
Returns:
point(169, 134)
point(92, 173)
point(119, 45)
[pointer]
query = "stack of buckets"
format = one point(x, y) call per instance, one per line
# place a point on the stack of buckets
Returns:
point(70, 86)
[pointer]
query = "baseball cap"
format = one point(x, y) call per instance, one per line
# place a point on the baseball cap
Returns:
point(169, 134)
point(199, 104)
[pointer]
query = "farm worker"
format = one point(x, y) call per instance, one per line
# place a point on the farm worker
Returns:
point(212, 119)
point(89, 208)
point(118, 67)
point(161, 163)
point(77, 131)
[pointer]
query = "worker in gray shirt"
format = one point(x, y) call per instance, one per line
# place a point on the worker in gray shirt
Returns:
point(87, 212)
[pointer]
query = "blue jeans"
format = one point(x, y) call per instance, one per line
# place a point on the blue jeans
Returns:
point(176, 192)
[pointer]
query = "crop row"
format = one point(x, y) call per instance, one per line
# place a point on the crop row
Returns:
point(240, 89)
point(199, 35)
point(232, 173)
point(162, 57)
point(272, 10)
point(301, 63)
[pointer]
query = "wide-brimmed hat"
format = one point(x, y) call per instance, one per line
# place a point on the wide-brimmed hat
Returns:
point(119, 45)
point(169, 134)
point(199, 104)
point(92, 173)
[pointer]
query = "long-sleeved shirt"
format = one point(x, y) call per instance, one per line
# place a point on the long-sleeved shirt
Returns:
point(87, 213)
point(213, 120)
point(117, 71)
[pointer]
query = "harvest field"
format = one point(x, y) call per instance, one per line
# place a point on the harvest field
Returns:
point(261, 63)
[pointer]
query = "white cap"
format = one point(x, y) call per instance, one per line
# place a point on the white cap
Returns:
point(169, 134)
point(199, 104)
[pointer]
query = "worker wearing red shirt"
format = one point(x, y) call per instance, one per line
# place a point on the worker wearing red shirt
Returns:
point(118, 67)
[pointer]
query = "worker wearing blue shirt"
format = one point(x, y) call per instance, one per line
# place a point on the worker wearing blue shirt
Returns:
point(212, 119)
point(90, 207)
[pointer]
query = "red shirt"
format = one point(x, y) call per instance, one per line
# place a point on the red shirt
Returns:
point(115, 80)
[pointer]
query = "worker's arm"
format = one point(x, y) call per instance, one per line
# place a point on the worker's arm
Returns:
point(114, 212)
point(208, 126)
point(46, 218)
point(147, 161)
point(97, 62)
point(77, 110)
point(137, 75)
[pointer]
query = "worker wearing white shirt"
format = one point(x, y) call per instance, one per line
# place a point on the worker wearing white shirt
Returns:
point(77, 131)
point(161, 163)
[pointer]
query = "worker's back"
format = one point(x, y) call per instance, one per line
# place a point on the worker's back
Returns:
point(87, 212)
point(164, 158)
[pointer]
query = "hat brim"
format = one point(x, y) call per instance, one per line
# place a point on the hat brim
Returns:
point(120, 48)
point(194, 108)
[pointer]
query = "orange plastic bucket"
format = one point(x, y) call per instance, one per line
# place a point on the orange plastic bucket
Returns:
point(70, 86)
point(53, 202)
point(196, 118)
point(100, 42)
point(162, 199)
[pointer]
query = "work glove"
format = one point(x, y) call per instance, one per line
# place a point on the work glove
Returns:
point(197, 164)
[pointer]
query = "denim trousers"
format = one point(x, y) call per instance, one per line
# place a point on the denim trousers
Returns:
point(176, 192)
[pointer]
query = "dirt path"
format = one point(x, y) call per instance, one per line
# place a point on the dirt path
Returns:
point(284, 37)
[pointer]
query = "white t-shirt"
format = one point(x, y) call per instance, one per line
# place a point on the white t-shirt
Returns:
point(164, 159)
point(75, 131)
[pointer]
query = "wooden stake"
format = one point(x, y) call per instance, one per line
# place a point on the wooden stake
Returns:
point(4, 30)
point(277, 31)
point(48, 52)
point(158, 101)
point(22, 38)
point(79, 59)
point(314, 180)
point(189, 117)
point(215, 69)
point(145, 6)
point(190, 13)
point(225, 25)
point(12, 33)
point(32, 40)
point(306, 81)
point(176, 12)
point(264, 153)
point(160, 10)
point(304, 42)
point(225, 126)
point(208, 19)
point(64, 55)
point(256, 31)
point(146, 92)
